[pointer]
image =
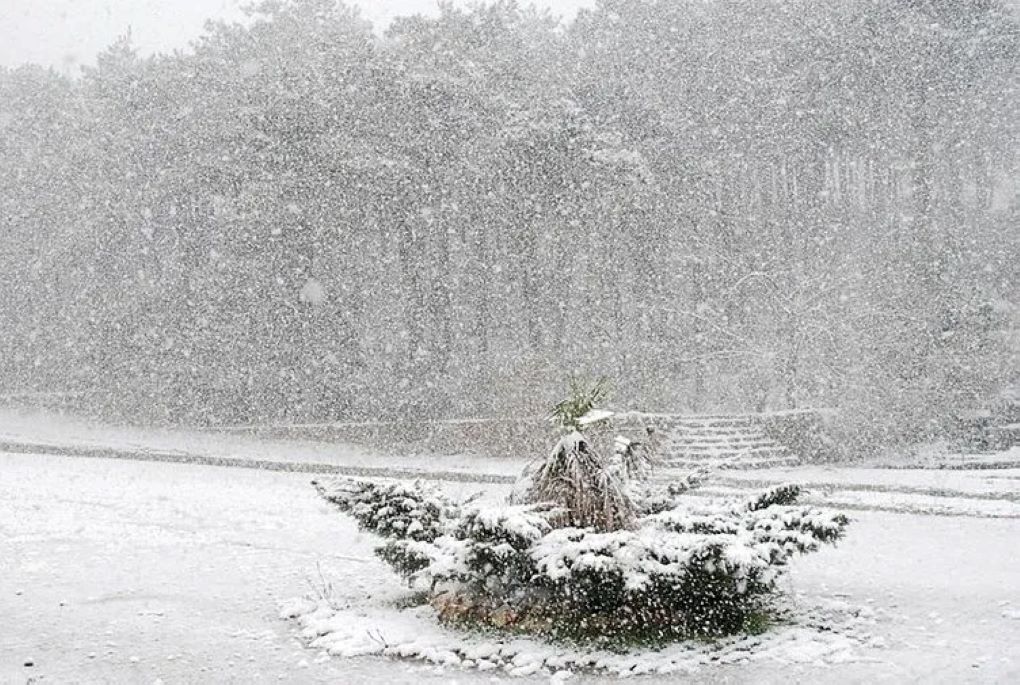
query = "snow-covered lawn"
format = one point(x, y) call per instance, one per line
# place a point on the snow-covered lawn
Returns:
point(830, 632)
point(990, 482)
point(121, 571)
point(128, 572)
point(983, 492)
point(50, 429)
point(913, 501)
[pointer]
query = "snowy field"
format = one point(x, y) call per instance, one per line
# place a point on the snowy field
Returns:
point(123, 571)
point(48, 429)
point(300, 245)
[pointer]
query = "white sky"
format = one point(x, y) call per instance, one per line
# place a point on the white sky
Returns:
point(66, 33)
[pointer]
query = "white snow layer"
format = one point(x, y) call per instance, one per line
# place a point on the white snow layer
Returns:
point(826, 634)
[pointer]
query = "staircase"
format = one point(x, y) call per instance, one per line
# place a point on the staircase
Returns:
point(717, 441)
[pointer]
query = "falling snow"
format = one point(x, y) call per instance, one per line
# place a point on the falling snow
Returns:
point(787, 233)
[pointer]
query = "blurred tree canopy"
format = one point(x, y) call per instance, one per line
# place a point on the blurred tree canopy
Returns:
point(731, 204)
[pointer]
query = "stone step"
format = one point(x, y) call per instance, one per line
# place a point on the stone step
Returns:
point(713, 437)
point(673, 469)
point(687, 437)
point(750, 430)
point(677, 442)
point(711, 427)
point(718, 441)
point(699, 452)
point(752, 449)
point(697, 440)
point(723, 456)
point(716, 424)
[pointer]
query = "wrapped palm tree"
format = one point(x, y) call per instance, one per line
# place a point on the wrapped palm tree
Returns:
point(589, 488)
point(582, 552)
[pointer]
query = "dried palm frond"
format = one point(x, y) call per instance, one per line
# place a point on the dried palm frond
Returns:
point(576, 479)
point(636, 459)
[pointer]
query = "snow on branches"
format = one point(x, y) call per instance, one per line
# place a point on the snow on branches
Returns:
point(579, 553)
point(705, 570)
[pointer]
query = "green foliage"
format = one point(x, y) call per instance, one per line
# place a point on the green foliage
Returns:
point(657, 502)
point(405, 556)
point(779, 495)
point(493, 545)
point(684, 572)
point(414, 512)
point(581, 557)
point(582, 400)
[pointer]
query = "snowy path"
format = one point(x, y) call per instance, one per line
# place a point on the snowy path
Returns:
point(298, 463)
point(981, 493)
point(122, 571)
point(125, 572)
point(45, 433)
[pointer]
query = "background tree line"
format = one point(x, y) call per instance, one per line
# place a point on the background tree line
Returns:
point(722, 205)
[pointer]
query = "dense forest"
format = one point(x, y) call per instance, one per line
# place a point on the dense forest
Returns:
point(725, 205)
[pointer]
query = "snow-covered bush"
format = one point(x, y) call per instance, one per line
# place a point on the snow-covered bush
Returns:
point(409, 517)
point(580, 554)
point(397, 510)
point(699, 570)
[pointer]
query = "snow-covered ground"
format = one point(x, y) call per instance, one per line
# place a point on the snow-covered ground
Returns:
point(51, 432)
point(129, 572)
point(1004, 483)
point(123, 571)
point(822, 632)
point(982, 492)
point(27, 427)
